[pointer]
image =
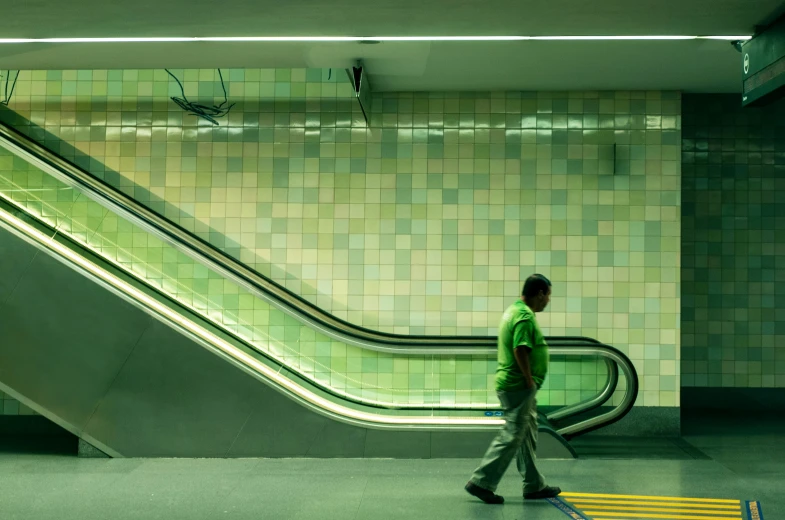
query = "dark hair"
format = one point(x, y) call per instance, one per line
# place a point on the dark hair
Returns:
point(534, 285)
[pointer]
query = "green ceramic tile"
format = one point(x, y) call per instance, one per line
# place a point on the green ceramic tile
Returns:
point(473, 153)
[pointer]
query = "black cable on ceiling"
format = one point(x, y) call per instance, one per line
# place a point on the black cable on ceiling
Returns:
point(8, 91)
point(209, 113)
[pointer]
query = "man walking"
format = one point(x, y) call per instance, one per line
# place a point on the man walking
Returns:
point(523, 364)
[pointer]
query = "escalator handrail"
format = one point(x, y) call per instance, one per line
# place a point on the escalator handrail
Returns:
point(285, 300)
point(618, 411)
point(181, 322)
point(266, 289)
point(602, 397)
point(561, 349)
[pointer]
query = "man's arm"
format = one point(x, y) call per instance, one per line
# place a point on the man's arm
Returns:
point(522, 344)
point(522, 357)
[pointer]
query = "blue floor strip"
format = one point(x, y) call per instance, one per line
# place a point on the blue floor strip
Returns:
point(754, 511)
point(567, 510)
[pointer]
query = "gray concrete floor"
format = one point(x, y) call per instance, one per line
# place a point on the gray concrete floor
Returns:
point(724, 461)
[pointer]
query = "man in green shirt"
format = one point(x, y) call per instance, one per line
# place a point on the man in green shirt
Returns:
point(523, 365)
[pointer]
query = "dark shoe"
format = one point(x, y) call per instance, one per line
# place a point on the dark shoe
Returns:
point(489, 497)
point(546, 492)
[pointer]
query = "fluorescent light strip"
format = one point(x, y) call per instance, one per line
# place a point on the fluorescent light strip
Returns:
point(636, 38)
point(349, 39)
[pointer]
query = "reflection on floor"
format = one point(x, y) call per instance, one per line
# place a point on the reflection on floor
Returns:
point(726, 458)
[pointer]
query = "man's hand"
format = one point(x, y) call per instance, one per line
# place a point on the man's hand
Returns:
point(522, 357)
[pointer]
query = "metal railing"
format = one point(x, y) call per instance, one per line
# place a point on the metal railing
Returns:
point(316, 318)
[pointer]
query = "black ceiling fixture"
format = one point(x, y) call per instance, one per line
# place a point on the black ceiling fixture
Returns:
point(208, 113)
point(7, 85)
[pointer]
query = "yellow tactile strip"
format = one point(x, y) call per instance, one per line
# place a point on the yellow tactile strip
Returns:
point(603, 506)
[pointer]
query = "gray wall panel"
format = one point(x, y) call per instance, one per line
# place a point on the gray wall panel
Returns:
point(277, 427)
point(64, 339)
point(15, 258)
point(398, 445)
point(337, 439)
point(445, 445)
point(173, 398)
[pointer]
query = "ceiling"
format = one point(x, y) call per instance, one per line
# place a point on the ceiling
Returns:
point(692, 65)
point(48, 18)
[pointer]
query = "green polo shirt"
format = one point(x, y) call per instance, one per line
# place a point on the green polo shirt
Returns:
point(519, 328)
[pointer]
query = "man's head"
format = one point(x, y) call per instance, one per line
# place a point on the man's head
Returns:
point(537, 292)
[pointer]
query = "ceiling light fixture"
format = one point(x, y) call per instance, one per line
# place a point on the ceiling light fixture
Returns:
point(360, 39)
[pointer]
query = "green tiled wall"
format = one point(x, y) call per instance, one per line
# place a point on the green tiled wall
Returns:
point(733, 244)
point(440, 382)
point(424, 223)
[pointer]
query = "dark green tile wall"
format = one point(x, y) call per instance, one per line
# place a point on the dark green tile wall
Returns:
point(733, 243)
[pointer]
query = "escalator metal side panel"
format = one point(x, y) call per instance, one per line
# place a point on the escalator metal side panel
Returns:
point(15, 257)
point(551, 445)
point(72, 375)
point(170, 232)
point(134, 387)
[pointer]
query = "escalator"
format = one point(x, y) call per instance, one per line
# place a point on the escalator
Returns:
point(144, 340)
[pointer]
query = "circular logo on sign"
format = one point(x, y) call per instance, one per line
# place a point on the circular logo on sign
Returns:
point(746, 64)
